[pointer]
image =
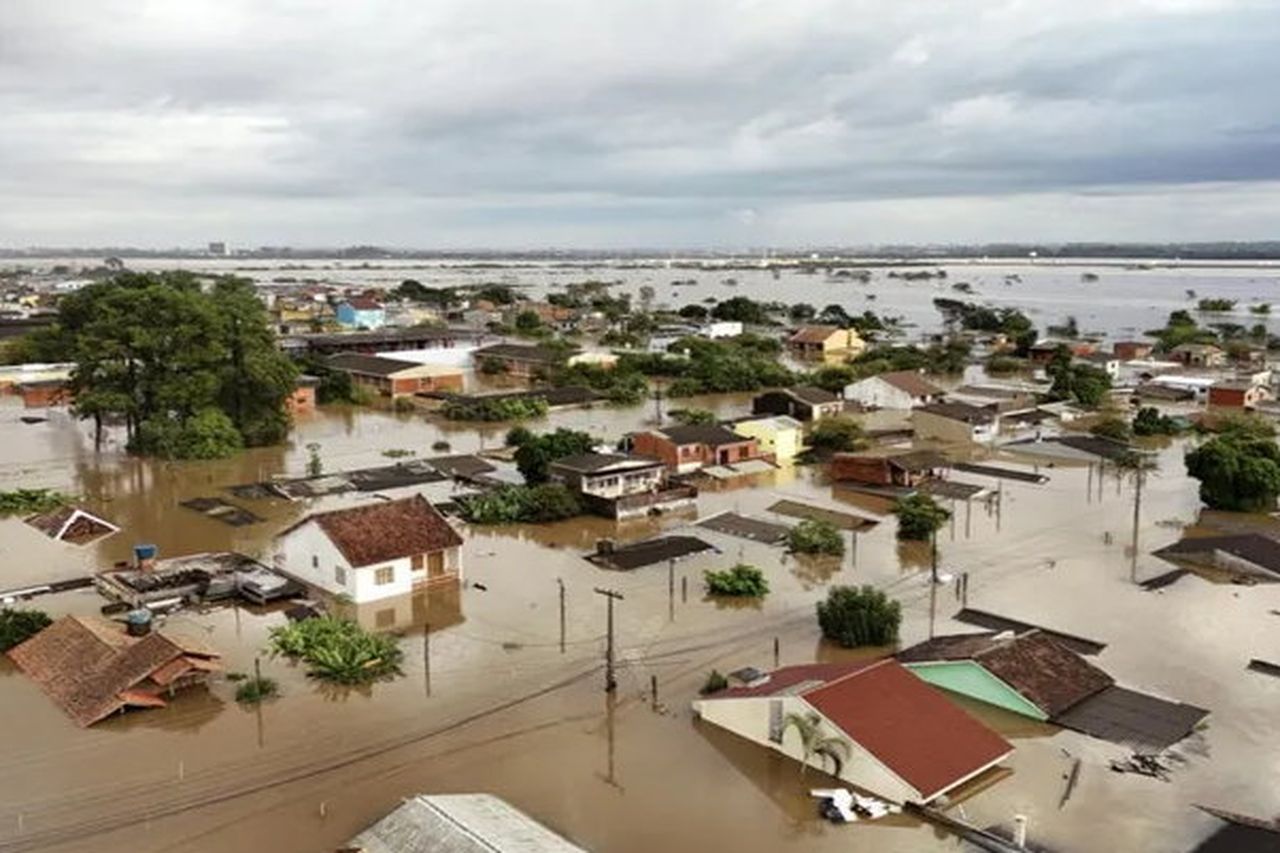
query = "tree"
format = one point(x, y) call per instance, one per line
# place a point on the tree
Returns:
point(1081, 383)
point(697, 313)
point(919, 517)
point(18, 626)
point(813, 741)
point(1112, 426)
point(1238, 470)
point(535, 456)
point(859, 616)
point(801, 312)
point(836, 435)
point(1149, 421)
point(740, 581)
point(742, 310)
point(690, 417)
point(815, 536)
point(833, 377)
point(528, 323)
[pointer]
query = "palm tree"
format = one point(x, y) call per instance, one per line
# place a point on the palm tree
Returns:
point(813, 742)
point(1137, 465)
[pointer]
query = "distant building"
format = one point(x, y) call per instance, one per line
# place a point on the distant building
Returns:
point(1237, 395)
point(780, 436)
point(524, 360)
point(1199, 355)
point(901, 389)
point(804, 403)
point(819, 342)
point(688, 448)
point(374, 551)
point(958, 422)
point(1042, 352)
point(1132, 350)
point(458, 823)
point(361, 312)
point(392, 378)
point(217, 248)
point(905, 470)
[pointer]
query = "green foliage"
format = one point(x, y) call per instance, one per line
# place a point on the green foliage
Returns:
point(950, 357)
point(1113, 427)
point(836, 435)
point(528, 323)
point(1260, 308)
point(623, 386)
point(690, 417)
point(714, 684)
point(536, 454)
point(438, 297)
point(745, 363)
point(338, 650)
point(697, 313)
point(1238, 469)
point(831, 748)
point(1216, 305)
point(495, 409)
point(998, 364)
point(520, 504)
point(335, 385)
point(158, 349)
point(1079, 383)
point(403, 405)
point(832, 377)
point(1181, 329)
point(490, 366)
point(398, 453)
point(743, 310)
point(31, 501)
point(518, 435)
point(252, 691)
point(981, 318)
point(865, 616)
point(17, 626)
point(919, 515)
point(209, 434)
point(801, 312)
point(498, 294)
point(741, 580)
point(815, 536)
point(1149, 421)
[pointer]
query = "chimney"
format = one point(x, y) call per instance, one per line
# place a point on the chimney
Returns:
point(144, 557)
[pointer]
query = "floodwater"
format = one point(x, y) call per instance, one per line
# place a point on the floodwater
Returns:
point(504, 707)
point(1125, 298)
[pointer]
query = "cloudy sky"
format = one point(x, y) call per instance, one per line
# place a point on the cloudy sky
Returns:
point(609, 123)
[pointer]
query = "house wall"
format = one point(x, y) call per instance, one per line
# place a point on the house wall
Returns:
point(613, 484)
point(651, 444)
point(301, 401)
point(932, 426)
point(749, 718)
point(782, 443)
point(307, 554)
point(874, 391)
point(969, 678)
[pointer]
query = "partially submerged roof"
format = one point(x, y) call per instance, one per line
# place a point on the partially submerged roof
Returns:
point(995, 622)
point(1259, 551)
point(909, 381)
point(648, 552)
point(813, 334)
point(371, 365)
point(910, 727)
point(385, 531)
point(592, 463)
point(1138, 720)
point(812, 395)
point(1240, 834)
point(458, 823)
point(72, 524)
point(523, 352)
point(963, 412)
point(844, 520)
point(712, 435)
point(1050, 676)
point(92, 668)
point(745, 527)
point(1083, 447)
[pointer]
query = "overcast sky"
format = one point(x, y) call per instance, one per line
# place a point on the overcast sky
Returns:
point(602, 123)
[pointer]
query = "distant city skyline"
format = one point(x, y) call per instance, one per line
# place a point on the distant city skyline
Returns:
point(513, 125)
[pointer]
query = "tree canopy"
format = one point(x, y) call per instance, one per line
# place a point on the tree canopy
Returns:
point(1238, 469)
point(535, 453)
point(191, 370)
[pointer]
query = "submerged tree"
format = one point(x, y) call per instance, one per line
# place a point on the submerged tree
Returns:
point(815, 742)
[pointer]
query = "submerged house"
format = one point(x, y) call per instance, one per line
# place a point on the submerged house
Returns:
point(780, 436)
point(92, 668)
point(687, 448)
point(905, 740)
point(1034, 675)
point(619, 486)
point(804, 403)
point(372, 551)
point(1241, 555)
point(906, 470)
point(361, 312)
point(899, 389)
point(391, 377)
point(458, 823)
point(72, 524)
point(820, 342)
point(958, 422)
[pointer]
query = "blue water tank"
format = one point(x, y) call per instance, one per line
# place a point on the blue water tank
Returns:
point(138, 622)
point(145, 552)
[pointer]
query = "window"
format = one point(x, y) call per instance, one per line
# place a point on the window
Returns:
point(384, 575)
point(340, 575)
point(416, 562)
point(315, 561)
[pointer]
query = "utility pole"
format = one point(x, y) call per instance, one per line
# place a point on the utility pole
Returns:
point(671, 590)
point(610, 683)
point(933, 555)
point(560, 581)
point(426, 656)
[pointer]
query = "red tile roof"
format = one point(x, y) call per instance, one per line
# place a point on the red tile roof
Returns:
point(813, 334)
point(364, 303)
point(910, 382)
point(909, 726)
point(385, 531)
point(782, 680)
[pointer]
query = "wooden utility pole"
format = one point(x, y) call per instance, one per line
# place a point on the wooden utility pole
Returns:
point(610, 683)
point(560, 581)
point(671, 590)
point(426, 656)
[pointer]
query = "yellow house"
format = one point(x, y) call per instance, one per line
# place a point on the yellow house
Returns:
point(819, 342)
point(779, 436)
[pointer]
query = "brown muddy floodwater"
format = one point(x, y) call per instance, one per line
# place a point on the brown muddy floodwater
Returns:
point(502, 708)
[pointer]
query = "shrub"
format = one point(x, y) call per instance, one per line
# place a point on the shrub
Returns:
point(251, 691)
point(837, 435)
point(493, 366)
point(741, 580)
point(714, 684)
point(536, 453)
point(338, 650)
point(689, 417)
point(1112, 427)
point(495, 409)
point(398, 453)
point(402, 405)
point(209, 434)
point(859, 616)
point(516, 504)
point(1216, 305)
point(918, 517)
point(1149, 421)
point(24, 501)
point(814, 536)
point(441, 445)
point(18, 626)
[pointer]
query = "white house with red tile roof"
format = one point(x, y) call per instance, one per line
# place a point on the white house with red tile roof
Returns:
point(373, 551)
point(907, 741)
point(900, 389)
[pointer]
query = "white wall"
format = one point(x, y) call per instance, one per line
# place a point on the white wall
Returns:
point(307, 554)
point(874, 391)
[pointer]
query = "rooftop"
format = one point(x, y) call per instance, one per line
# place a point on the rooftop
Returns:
point(364, 303)
point(812, 334)
point(910, 381)
point(370, 365)
point(812, 394)
point(1254, 548)
point(709, 434)
point(590, 463)
point(523, 352)
point(959, 412)
point(388, 530)
point(458, 823)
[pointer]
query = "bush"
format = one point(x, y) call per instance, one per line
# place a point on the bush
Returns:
point(535, 453)
point(813, 536)
point(209, 434)
point(1149, 421)
point(251, 691)
point(1216, 305)
point(689, 417)
point(998, 364)
point(836, 435)
point(714, 684)
point(18, 626)
point(493, 366)
point(1112, 427)
point(918, 517)
point(517, 504)
point(495, 409)
point(338, 650)
point(402, 405)
point(741, 580)
point(1237, 471)
point(441, 446)
point(24, 501)
point(862, 616)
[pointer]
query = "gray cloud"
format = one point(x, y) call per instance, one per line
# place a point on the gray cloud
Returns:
point(501, 122)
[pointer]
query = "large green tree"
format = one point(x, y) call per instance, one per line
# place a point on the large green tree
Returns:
point(1238, 469)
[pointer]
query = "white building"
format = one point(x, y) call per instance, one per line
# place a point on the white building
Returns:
point(373, 551)
point(901, 389)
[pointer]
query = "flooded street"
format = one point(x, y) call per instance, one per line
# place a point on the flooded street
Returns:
point(503, 709)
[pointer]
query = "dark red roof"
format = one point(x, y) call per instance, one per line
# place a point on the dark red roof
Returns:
point(782, 680)
point(911, 727)
point(364, 303)
point(384, 531)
